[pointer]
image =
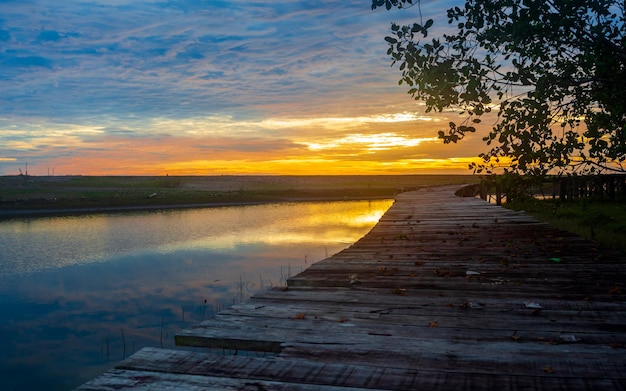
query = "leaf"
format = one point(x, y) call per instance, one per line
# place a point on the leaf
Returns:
point(555, 259)
point(391, 40)
point(354, 279)
point(434, 324)
point(515, 337)
point(399, 291)
point(299, 316)
point(548, 369)
point(615, 290)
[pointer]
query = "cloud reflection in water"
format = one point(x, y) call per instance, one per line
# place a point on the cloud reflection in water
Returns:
point(71, 286)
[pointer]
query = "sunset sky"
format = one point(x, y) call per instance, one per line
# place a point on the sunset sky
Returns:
point(204, 87)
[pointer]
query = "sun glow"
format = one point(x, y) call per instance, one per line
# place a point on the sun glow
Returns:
point(391, 143)
point(329, 122)
point(371, 142)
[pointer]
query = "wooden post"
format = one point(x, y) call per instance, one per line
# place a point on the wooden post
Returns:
point(483, 190)
point(599, 186)
point(610, 188)
point(498, 194)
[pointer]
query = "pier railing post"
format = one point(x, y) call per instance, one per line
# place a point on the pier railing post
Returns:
point(498, 194)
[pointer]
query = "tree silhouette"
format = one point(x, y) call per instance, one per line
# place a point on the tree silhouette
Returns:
point(550, 74)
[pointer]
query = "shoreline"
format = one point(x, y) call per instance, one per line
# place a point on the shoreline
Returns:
point(82, 211)
point(26, 197)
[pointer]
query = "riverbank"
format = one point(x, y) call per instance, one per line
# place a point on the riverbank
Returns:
point(29, 196)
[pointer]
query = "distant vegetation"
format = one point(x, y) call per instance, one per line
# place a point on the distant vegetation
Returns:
point(33, 195)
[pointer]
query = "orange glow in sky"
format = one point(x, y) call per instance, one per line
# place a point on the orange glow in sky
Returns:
point(196, 88)
point(399, 143)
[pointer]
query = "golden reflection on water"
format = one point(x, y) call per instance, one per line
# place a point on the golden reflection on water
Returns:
point(37, 244)
point(306, 223)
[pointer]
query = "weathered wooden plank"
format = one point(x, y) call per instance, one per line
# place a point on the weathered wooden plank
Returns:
point(290, 370)
point(538, 368)
point(471, 271)
point(120, 379)
point(304, 374)
point(532, 364)
point(236, 336)
point(559, 289)
point(470, 316)
point(387, 299)
point(506, 351)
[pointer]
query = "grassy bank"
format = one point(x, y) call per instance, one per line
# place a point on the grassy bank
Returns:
point(22, 193)
point(602, 221)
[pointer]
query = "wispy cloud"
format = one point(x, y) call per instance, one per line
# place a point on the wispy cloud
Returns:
point(253, 77)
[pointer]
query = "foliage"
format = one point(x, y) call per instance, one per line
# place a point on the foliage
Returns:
point(553, 69)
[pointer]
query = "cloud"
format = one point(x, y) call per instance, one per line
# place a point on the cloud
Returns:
point(15, 60)
point(144, 58)
point(290, 72)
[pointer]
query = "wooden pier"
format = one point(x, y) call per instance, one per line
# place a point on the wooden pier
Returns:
point(444, 293)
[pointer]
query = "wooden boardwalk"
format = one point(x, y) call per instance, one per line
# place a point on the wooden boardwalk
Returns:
point(443, 293)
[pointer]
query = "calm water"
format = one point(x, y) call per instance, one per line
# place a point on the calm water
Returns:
point(78, 294)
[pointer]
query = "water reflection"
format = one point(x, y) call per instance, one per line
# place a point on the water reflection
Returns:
point(77, 294)
point(35, 244)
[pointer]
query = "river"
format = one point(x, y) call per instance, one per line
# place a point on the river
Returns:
point(80, 293)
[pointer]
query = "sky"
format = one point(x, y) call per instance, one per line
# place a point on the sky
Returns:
point(199, 87)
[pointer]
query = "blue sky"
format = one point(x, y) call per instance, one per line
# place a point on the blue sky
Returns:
point(209, 87)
